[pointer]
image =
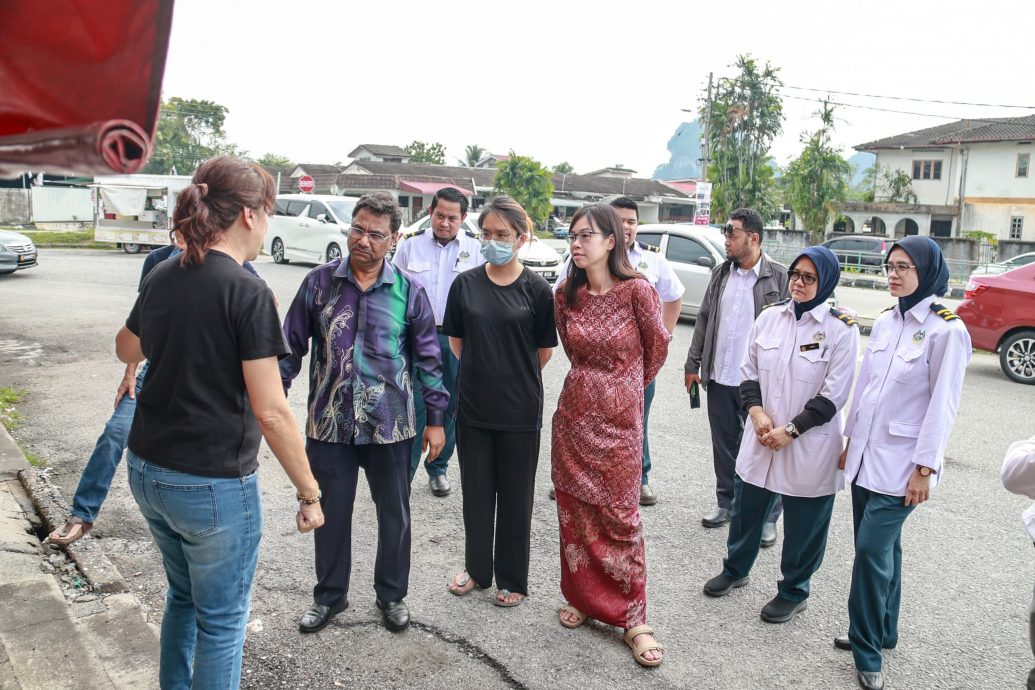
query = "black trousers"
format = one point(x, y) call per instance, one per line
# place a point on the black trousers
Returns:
point(726, 419)
point(336, 468)
point(497, 472)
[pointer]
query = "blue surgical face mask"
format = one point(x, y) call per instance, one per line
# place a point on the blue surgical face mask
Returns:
point(497, 253)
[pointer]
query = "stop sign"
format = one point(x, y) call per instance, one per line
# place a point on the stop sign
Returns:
point(306, 184)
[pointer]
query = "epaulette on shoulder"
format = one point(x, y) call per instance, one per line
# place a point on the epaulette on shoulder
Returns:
point(943, 311)
point(841, 316)
point(776, 304)
point(415, 233)
point(888, 309)
point(650, 247)
point(468, 232)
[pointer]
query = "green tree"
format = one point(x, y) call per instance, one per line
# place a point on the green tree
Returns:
point(746, 115)
point(273, 160)
point(528, 182)
point(472, 154)
point(423, 152)
point(818, 178)
point(897, 187)
point(564, 168)
point(189, 132)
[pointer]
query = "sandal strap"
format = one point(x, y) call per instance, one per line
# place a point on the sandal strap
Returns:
point(638, 630)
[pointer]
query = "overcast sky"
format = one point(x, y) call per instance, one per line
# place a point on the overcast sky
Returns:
point(593, 83)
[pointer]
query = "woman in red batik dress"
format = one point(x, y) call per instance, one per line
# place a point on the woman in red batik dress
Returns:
point(609, 322)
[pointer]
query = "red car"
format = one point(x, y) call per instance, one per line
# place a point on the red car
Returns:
point(999, 312)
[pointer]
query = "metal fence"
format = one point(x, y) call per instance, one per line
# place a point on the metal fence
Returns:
point(869, 263)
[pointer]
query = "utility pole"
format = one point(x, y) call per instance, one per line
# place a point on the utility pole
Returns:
point(705, 148)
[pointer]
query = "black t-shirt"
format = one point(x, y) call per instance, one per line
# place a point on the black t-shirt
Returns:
point(196, 325)
point(500, 383)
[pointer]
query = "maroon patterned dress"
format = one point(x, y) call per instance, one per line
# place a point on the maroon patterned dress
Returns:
point(616, 343)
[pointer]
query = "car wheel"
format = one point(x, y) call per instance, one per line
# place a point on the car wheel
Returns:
point(333, 252)
point(1017, 357)
point(131, 248)
point(277, 250)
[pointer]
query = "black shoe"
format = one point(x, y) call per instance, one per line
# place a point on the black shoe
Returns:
point(439, 485)
point(720, 585)
point(716, 518)
point(553, 494)
point(318, 616)
point(395, 614)
point(781, 610)
point(768, 535)
point(845, 645)
point(870, 680)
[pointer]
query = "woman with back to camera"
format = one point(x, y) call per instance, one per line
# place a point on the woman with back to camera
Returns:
point(902, 414)
point(609, 321)
point(499, 319)
point(211, 333)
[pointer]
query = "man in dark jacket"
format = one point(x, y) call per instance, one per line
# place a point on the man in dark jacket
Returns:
point(738, 290)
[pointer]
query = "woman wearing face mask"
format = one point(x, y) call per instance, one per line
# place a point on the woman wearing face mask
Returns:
point(797, 375)
point(500, 322)
point(609, 321)
point(902, 414)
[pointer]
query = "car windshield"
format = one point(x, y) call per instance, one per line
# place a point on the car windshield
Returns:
point(718, 245)
point(342, 210)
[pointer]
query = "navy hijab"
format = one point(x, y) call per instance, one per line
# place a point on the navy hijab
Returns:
point(829, 271)
point(931, 269)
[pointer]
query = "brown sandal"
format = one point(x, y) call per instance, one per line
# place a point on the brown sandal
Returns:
point(638, 649)
point(579, 616)
point(73, 530)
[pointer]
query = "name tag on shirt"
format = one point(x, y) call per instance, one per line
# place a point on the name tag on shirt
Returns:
point(810, 346)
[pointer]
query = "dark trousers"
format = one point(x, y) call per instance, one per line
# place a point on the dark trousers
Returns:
point(806, 522)
point(648, 398)
point(336, 468)
point(726, 419)
point(497, 472)
point(873, 602)
point(450, 368)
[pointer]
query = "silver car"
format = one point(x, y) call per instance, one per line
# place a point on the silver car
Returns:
point(16, 252)
point(692, 251)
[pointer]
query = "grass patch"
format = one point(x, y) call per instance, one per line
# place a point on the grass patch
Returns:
point(9, 416)
point(79, 239)
point(34, 460)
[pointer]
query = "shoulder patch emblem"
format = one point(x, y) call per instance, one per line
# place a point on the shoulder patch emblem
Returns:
point(942, 311)
point(841, 316)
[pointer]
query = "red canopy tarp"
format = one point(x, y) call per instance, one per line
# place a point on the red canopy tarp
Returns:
point(80, 84)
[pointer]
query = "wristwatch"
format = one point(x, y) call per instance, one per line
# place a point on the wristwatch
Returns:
point(791, 430)
point(925, 471)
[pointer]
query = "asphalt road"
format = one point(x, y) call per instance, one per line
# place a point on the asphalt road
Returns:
point(967, 573)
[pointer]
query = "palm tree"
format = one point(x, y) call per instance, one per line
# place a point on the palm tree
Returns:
point(473, 154)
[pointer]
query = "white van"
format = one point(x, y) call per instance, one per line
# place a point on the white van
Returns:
point(311, 228)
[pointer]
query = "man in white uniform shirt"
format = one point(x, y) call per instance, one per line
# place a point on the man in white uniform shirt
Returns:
point(656, 269)
point(1018, 476)
point(435, 256)
point(738, 290)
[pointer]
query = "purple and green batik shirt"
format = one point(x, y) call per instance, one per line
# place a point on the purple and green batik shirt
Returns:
point(365, 346)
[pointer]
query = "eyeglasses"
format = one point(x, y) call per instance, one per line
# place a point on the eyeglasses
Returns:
point(806, 278)
point(898, 269)
point(358, 233)
point(584, 236)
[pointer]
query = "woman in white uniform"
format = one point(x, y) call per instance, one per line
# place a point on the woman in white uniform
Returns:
point(902, 414)
point(797, 377)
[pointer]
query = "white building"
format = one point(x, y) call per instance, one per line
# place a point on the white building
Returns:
point(967, 176)
point(380, 153)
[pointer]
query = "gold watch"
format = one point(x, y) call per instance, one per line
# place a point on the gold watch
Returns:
point(925, 471)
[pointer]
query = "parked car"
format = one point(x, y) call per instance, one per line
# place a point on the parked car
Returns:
point(312, 228)
point(995, 268)
point(862, 252)
point(692, 251)
point(536, 254)
point(999, 311)
point(561, 231)
point(16, 252)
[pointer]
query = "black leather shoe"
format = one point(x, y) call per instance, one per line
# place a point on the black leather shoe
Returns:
point(395, 614)
point(318, 616)
point(439, 485)
point(768, 535)
point(716, 518)
point(870, 680)
point(781, 610)
point(721, 585)
point(553, 494)
point(845, 645)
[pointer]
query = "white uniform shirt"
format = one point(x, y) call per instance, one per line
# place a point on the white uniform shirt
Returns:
point(906, 398)
point(793, 362)
point(435, 266)
point(654, 267)
point(736, 317)
point(1018, 476)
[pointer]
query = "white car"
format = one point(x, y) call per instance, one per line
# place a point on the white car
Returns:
point(998, 267)
point(692, 251)
point(536, 255)
point(311, 228)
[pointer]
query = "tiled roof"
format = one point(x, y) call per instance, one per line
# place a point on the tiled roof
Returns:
point(358, 182)
point(315, 169)
point(635, 187)
point(381, 150)
point(960, 132)
point(483, 177)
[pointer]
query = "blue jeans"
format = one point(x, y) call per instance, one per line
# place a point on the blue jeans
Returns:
point(208, 531)
point(648, 398)
point(100, 468)
point(450, 368)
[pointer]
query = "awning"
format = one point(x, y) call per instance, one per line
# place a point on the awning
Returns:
point(80, 84)
point(568, 203)
point(430, 187)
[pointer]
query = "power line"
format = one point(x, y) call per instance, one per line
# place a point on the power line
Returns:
point(907, 98)
point(994, 121)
